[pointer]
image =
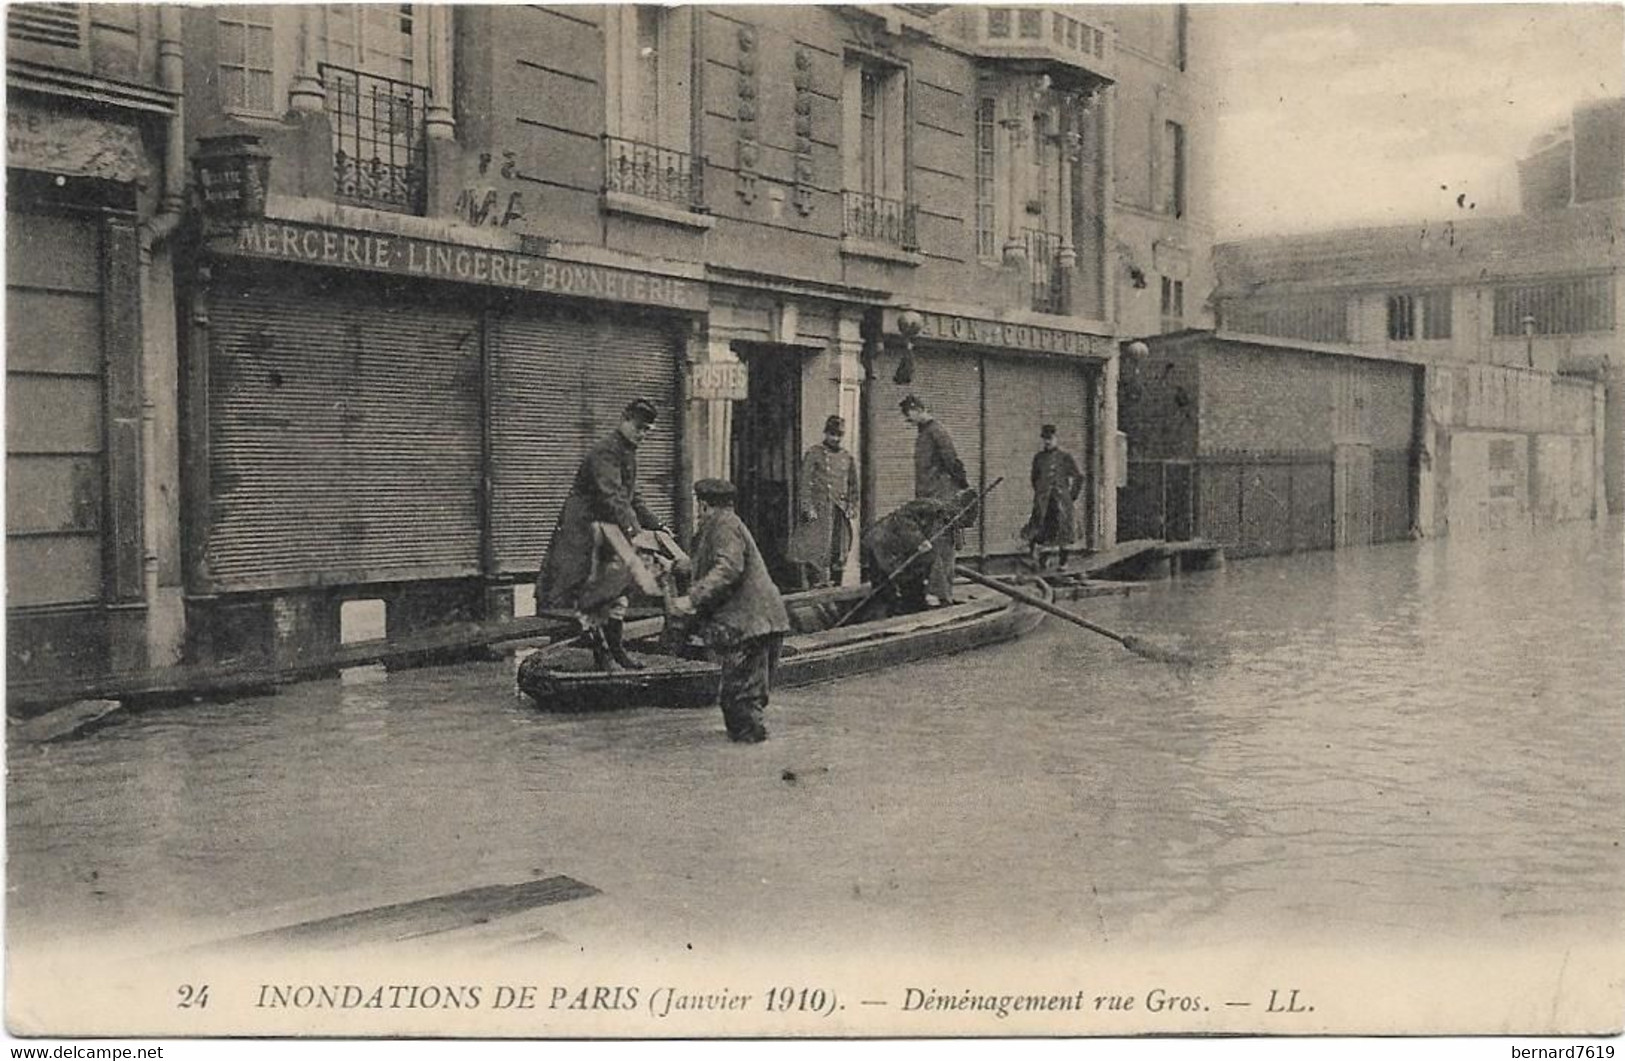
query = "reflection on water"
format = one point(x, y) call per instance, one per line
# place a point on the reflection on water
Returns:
point(1409, 741)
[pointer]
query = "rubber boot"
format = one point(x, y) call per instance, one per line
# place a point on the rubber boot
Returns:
point(617, 650)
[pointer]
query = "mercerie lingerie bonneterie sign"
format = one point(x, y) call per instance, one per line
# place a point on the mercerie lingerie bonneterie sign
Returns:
point(410, 256)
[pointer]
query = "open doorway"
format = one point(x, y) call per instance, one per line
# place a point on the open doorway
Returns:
point(766, 447)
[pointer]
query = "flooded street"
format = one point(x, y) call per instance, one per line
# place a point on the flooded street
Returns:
point(1416, 742)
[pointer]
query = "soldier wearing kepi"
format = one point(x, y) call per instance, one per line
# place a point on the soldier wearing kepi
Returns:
point(1056, 485)
point(739, 612)
point(582, 571)
point(939, 475)
point(829, 489)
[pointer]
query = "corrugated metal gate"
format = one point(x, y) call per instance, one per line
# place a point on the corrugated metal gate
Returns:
point(344, 435)
point(560, 379)
point(951, 383)
point(1023, 395)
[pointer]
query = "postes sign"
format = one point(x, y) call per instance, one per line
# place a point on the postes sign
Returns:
point(410, 256)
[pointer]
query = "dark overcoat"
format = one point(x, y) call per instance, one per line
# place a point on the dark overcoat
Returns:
point(1056, 484)
point(938, 471)
point(733, 596)
point(829, 490)
point(604, 491)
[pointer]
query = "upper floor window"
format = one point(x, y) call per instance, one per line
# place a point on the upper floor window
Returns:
point(56, 25)
point(1181, 35)
point(650, 66)
point(385, 40)
point(1173, 304)
point(987, 236)
point(247, 58)
point(875, 142)
point(1423, 315)
point(648, 141)
point(1173, 169)
point(376, 79)
point(1558, 307)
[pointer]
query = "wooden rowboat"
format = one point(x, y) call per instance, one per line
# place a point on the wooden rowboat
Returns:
point(815, 651)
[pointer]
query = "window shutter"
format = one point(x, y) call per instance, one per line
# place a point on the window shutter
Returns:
point(57, 25)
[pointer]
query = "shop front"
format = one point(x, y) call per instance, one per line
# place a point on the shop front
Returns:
point(992, 384)
point(385, 417)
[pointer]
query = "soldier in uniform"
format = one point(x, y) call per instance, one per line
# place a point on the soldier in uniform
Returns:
point(829, 490)
point(739, 612)
point(583, 573)
point(1056, 485)
point(940, 475)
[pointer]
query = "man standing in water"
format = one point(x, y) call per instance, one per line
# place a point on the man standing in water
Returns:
point(939, 475)
point(1056, 485)
point(740, 613)
point(582, 571)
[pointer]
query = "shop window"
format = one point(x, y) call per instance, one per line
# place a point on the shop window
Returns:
point(876, 142)
point(247, 59)
point(648, 151)
point(1562, 307)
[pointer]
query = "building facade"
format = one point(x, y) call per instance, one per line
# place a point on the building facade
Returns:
point(1513, 320)
point(93, 195)
point(430, 251)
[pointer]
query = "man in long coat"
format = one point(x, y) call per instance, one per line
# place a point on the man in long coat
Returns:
point(1056, 485)
point(828, 492)
point(581, 571)
point(740, 614)
point(938, 474)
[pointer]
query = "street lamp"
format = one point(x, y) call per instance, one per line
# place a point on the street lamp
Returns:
point(1529, 339)
point(909, 324)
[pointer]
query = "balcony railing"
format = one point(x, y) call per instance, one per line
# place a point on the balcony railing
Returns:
point(880, 220)
point(1044, 269)
point(380, 153)
point(651, 172)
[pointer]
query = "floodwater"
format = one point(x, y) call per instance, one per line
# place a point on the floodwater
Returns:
point(1418, 741)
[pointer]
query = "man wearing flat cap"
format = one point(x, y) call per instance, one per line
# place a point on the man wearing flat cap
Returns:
point(737, 609)
point(582, 571)
point(939, 475)
point(1056, 485)
point(828, 491)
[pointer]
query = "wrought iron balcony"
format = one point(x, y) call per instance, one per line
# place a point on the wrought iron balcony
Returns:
point(651, 172)
point(380, 146)
point(1044, 270)
point(880, 220)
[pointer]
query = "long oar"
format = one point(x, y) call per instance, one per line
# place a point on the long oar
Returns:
point(1134, 644)
point(924, 548)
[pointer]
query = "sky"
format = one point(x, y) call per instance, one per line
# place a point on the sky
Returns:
point(1338, 115)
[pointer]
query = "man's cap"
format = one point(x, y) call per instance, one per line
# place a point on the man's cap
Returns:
point(640, 409)
point(910, 401)
point(834, 426)
point(1047, 431)
point(714, 491)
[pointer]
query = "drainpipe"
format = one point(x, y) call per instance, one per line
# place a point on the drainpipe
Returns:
point(157, 230)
